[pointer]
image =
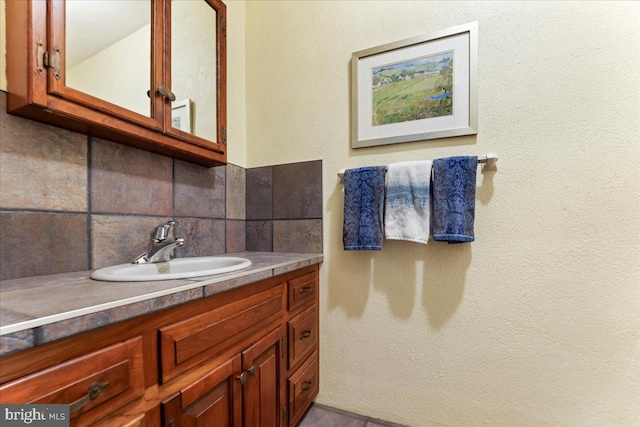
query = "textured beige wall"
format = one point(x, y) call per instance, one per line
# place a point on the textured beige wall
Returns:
point(538, 321)
point(236, 87)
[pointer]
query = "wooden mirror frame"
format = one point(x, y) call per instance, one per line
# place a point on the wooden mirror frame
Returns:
point(31, 29)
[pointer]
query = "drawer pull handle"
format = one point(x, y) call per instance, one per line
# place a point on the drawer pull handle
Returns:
point(305, 290)
point(92, 393)
point(306, 385)
point(305, 334)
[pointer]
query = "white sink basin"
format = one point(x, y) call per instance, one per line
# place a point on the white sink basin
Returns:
point(179, 268)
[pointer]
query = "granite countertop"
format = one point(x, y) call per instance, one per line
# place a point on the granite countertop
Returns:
point(38, 310)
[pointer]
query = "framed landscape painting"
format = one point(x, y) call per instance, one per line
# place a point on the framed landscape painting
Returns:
point(421, 88)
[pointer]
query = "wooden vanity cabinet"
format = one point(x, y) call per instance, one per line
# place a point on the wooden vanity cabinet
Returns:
point(264, 399)
point(303, 328)
point(214, 399)
point(238, 358)
point(93, 384)
point(246, 390)
point(38, 88)
point(194, 340)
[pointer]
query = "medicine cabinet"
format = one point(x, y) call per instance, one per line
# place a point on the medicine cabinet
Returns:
point(146, 73)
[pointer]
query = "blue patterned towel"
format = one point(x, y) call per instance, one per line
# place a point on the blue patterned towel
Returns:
point(363, 203)
point(407, 210)
point(454, 198)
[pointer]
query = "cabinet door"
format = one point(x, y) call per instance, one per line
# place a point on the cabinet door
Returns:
point(195, 71)
point(264, 389)
point(103, 68)
point(107, 56)
point(214, 400)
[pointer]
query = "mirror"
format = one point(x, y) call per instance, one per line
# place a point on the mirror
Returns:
point(108, 51)
point(193, 68)
point(108, 56)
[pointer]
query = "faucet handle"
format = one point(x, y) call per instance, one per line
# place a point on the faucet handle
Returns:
point(161, 232)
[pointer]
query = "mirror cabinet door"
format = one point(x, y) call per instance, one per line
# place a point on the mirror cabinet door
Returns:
point(196, 55)
point(105, 56)
point(108, 51)
point(148, 73)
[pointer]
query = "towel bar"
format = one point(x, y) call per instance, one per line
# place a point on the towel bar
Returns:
point(489, 162)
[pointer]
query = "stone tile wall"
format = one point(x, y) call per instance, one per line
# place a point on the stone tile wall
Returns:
point(284, 208)
point(69, 202)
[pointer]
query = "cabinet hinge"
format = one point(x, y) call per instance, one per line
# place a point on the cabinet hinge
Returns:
point(46, 59)
point(283, 347)
point(40, 54)
point(223, 134)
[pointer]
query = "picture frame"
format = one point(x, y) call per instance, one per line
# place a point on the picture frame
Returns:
point(181, 115)
point(416, 89)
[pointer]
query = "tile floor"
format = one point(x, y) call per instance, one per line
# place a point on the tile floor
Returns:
point(325, 416)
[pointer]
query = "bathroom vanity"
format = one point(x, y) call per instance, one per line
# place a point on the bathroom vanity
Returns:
point(237, 349)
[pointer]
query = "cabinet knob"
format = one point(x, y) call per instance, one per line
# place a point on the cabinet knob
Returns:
point(164, 92)
point(252, 371)
point(243, 377)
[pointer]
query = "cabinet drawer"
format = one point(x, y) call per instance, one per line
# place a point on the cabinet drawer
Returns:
point(192, 341)
point(303, 335)
point(302, 290)
point(303, 387)
point(95, 384)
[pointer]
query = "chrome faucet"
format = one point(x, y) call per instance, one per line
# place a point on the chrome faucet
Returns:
point(161, 247)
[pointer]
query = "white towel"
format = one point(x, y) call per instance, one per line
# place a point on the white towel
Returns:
point(407, 208)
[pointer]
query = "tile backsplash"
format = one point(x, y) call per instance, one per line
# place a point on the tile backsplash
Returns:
point(69, 202)
point(284, 208)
